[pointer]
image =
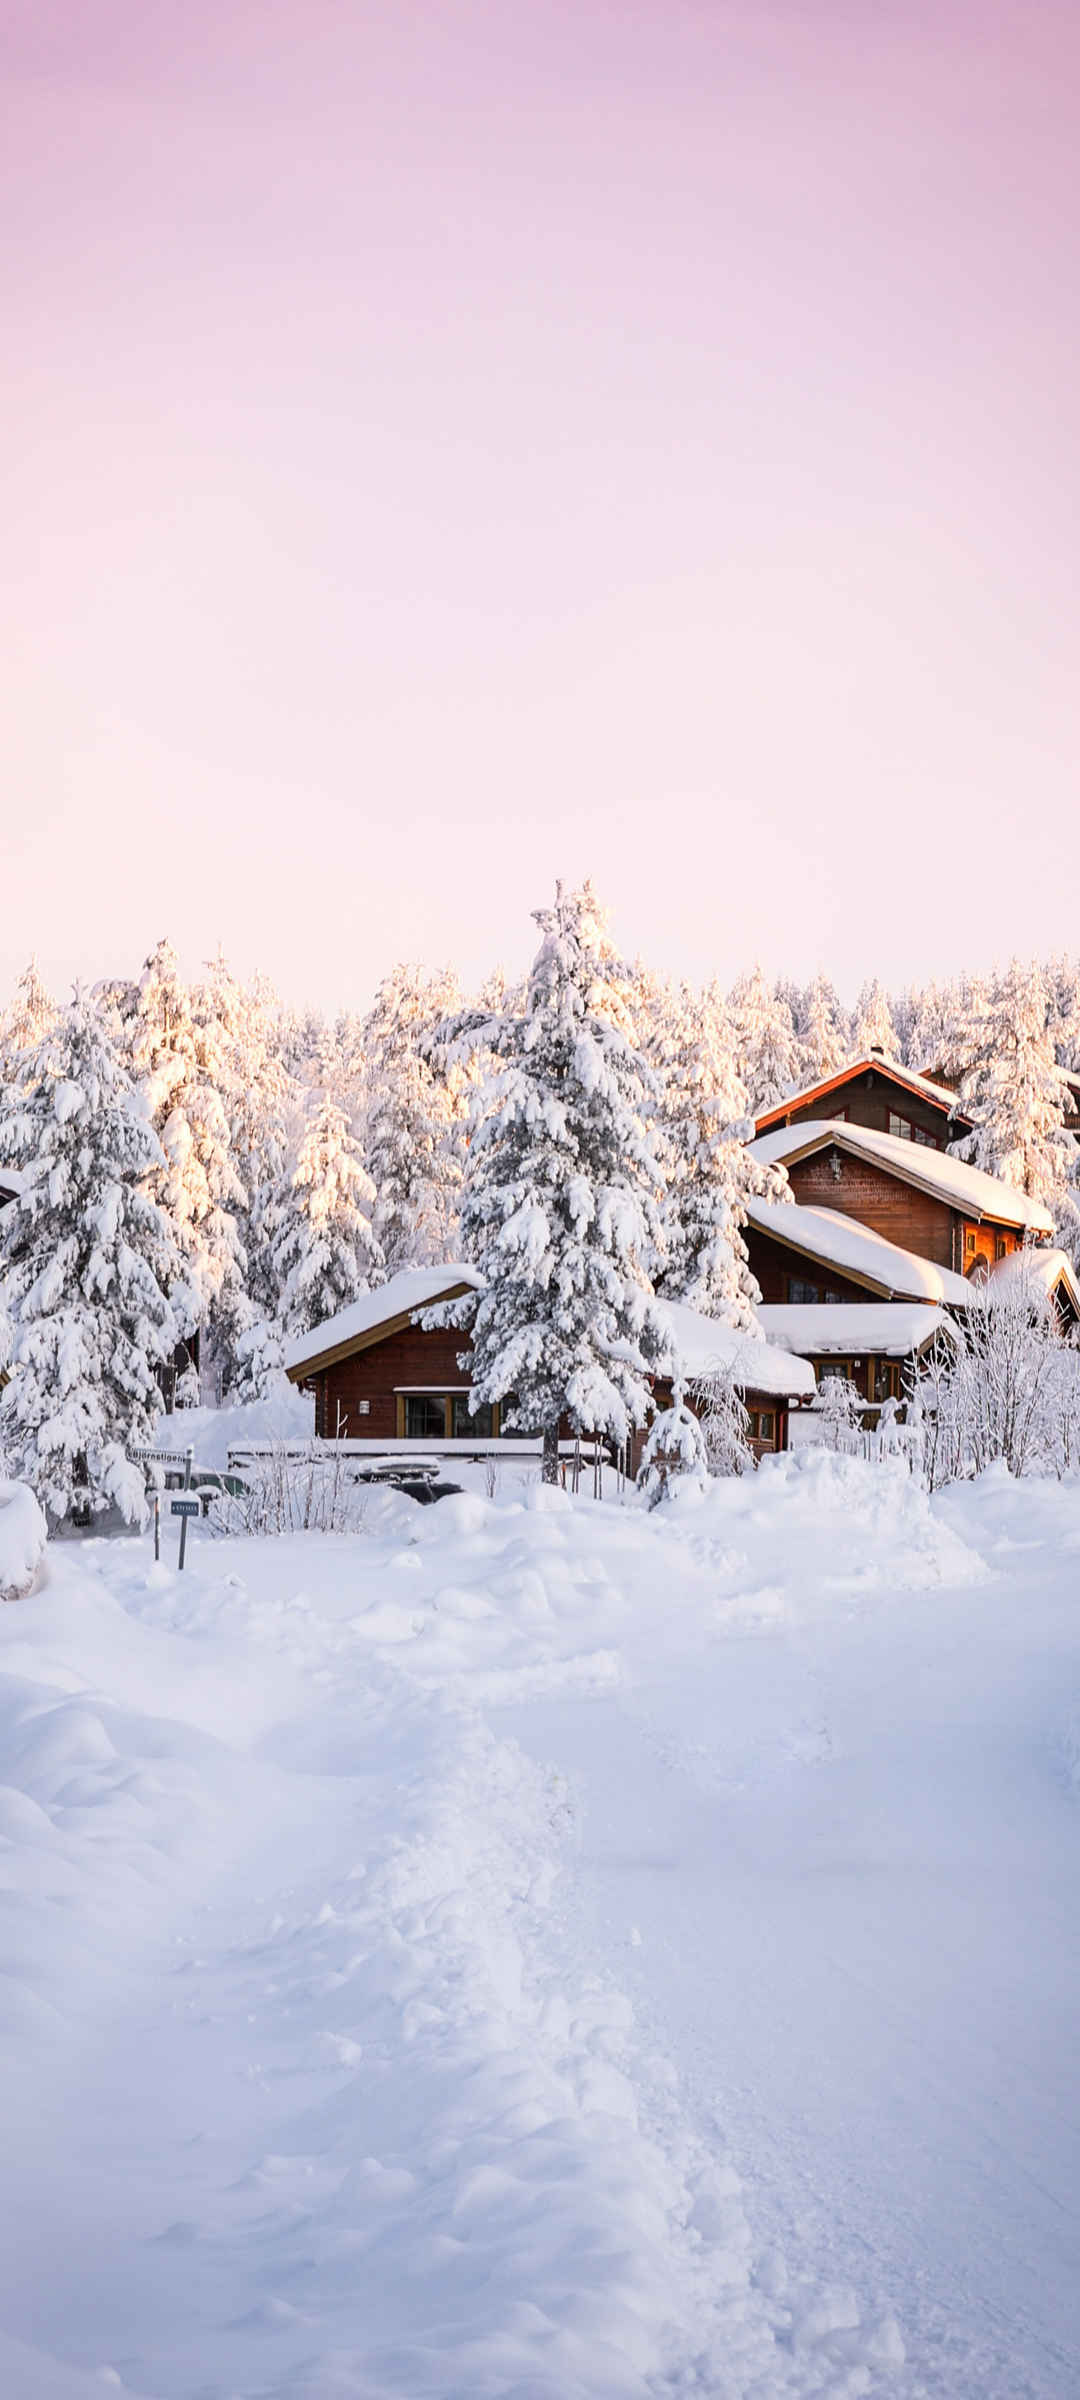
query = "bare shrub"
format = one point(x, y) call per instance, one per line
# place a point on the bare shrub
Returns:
point(284, 1493)
point(1009, 1388)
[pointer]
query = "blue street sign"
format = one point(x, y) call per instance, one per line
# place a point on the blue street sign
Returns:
point(184, 1508)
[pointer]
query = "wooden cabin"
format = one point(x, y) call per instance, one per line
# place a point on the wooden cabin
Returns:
point(379, 1376)
point(916, 1198)
point(877, 1092)
point(874, 1345)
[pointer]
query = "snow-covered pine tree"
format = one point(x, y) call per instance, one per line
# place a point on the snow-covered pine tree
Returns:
point(1015, 1093)
point(823, 1032)
point(30, 1015)
point(325, 1253)
point(704, 1127)
point(414, 1117)
point(264, 1110)
point(769, 1057)
point(85, 1258)
point(178, 1056)
point(559, 1201)
point(874, 1028)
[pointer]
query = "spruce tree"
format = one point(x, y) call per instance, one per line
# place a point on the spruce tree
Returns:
point(768, 1050)
point(85, 1259)
point(1015, 1093)
point(559, 1202)
point(874, 1028)
point(705, 1127)
point(823, 1033)
point(325, 1253)
point(177, 1051)
point(414, 1117)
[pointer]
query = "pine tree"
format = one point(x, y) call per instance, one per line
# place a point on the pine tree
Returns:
point(824, 1036)
point(30, 1016)
point(769, 1057)
point(709, 1172)
point(874, 1028)
point(1015, 1093)
point(85, 1256)
point(414, 1117)
point(325, 1253)
point(559, 1203)
point(178, 1055)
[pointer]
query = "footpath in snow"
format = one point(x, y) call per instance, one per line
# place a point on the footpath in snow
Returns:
point(532, 1948)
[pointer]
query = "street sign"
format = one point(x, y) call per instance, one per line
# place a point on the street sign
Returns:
point(184, 1508)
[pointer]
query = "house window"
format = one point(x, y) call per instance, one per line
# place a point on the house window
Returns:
point(762, 1425)
point(1001, 1246)
point(800, 1293)
point(969, 1243)
point(833, 1300)
point(425, 1417)
point(903, 1130)
point(898, 1126)
point(886, 1379)
point(476, 1424)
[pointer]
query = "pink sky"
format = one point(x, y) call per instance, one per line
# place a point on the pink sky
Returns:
point(446, 447)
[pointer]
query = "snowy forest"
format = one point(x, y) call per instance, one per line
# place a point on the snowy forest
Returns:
point(193, 1157)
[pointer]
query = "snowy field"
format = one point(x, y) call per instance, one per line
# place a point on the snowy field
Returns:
point(528, 1948)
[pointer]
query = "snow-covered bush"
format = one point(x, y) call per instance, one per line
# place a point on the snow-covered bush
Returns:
point(838, 1409)
point(725, 1420)
point(674, 1453)
point(23, 1535)
point(1008, 1388)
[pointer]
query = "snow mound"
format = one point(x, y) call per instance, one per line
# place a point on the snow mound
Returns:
point(23, 1535)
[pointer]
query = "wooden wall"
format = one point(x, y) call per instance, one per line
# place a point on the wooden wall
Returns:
point(413, 1357)
point(915, 1220)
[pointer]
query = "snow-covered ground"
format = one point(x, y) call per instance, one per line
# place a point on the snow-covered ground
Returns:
point(531, 1948)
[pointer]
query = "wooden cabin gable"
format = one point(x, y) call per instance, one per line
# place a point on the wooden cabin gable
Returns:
point(856, 1187)
point(876, 1096)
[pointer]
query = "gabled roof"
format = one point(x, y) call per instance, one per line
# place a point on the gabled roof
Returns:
point(890, 1069)
point(1053, 1270)
point(376, 1314)
point(967, 1189)
point(825, 1238)
point(698, 1343)
point(701, 1343)
point(854, 1329)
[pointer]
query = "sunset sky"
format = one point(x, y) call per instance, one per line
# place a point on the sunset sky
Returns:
point(449, 447)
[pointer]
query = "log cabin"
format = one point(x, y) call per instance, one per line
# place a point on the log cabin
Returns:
point(875, 1345)
point(876, 1091)
point(917, 1198)
point(378, 1375)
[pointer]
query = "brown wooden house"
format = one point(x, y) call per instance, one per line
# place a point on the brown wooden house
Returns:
point(382, 1379)
point(916, 1197)
point(877, 1092)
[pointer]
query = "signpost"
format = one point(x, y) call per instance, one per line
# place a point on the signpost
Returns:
point(185, 1508)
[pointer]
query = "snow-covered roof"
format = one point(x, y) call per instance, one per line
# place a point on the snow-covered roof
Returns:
point(937, 1093)
point(414, 1288)
point(823, 1235)
point(1051, 1269)
point(702, 1343)
point(855, 1328)
point(960, 1186)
